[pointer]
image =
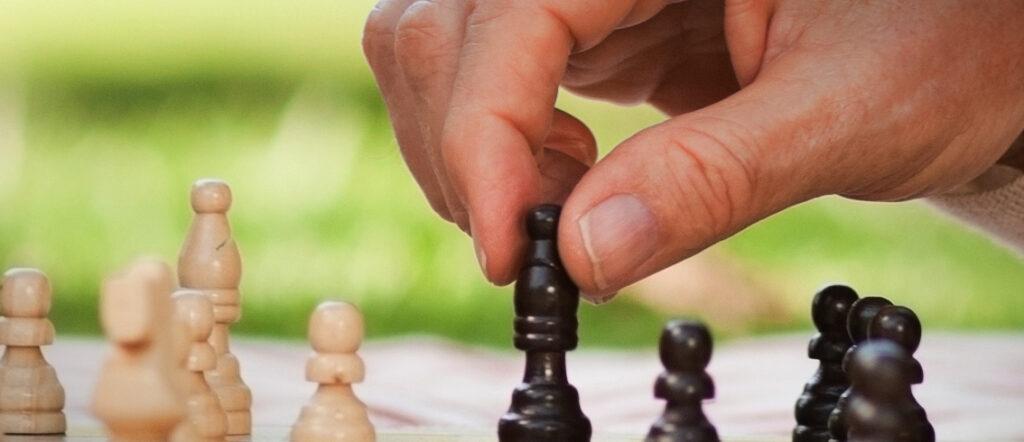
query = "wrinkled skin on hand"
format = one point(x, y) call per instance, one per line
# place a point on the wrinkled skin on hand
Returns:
point(769, 104)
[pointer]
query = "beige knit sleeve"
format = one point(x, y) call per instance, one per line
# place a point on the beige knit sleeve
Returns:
point(994, 203)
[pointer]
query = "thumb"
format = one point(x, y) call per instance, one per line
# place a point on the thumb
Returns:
point(678, 187)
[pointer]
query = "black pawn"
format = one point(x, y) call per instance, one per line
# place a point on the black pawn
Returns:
point(829, 310)
point(880, 372)
point(861, 314)
point(545, 407)
point(685, 349)
point(901, 326)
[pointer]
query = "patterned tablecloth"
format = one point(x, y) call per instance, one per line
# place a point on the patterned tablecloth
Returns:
point(973, 390)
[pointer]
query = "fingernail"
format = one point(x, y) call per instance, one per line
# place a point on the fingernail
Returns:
point(598, 299)
point(461, 219)
point(481, 257)
point(619, 234)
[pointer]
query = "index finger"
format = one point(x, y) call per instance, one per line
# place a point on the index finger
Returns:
point(512, 62)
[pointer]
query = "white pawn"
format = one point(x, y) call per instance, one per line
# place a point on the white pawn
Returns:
point(139, 395)
point(209, 262)
point(334, 413)
point(206, 418)
point(31, 397)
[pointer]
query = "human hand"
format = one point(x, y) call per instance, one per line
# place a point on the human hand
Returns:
point(874, 101)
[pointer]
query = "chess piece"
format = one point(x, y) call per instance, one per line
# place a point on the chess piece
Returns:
point(139, 396)
point(862, 312)
point(31, 397)
point(901, 326)
point(545, 407)
point(205, 417)
point(334, 413)
point(880, 374)
point(829, 310)
point(685, 350)
point(209, 262)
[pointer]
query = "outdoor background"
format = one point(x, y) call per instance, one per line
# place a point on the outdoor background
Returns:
point(109, 110)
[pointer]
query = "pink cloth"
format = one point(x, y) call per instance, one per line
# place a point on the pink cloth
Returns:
point(973, 390)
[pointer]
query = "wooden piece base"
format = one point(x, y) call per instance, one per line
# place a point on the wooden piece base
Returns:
point(34, 423)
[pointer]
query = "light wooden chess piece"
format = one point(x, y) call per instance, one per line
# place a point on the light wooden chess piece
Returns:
point(206, 418)
point(209, 262)
point(139, 396)
point(334, 413)
point(31, 397)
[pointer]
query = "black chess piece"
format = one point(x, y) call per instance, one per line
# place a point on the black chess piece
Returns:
point(880, 373)
point(829, 310)
point(861, 314)
point(545, 407)
point(685, 349)
point(901, 326)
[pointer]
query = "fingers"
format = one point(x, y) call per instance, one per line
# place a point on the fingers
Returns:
point(470, 87)
point(571, 137)
point(550, 175)
point(627, 64)
point(746, 30)
point(501, 110)
point(428, 41)
point(704, 74)
point(379, 47)
point(676, 188)
point(676, 61)
point(569, 151)
point(702, 80)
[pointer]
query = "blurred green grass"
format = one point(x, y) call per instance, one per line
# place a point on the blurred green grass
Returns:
point(112, 109)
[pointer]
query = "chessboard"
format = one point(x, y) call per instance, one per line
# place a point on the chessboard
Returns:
point(424, 435)
point(268, 434)
point(422, 388)
point(281, 434)
point(261, 434)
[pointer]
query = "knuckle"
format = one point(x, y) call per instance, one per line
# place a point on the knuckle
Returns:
point(418, 29)
point(379, 29)
point(712, 175)
point(423, 41)
point(490, 12)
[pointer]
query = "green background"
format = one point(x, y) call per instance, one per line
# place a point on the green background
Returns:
point(109, 110)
